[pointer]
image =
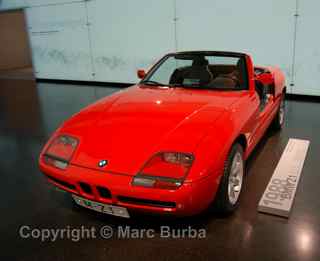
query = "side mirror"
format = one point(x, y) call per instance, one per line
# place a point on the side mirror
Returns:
point(266, 78)
point(141, 73)
point(263, 88)
point(266, 82)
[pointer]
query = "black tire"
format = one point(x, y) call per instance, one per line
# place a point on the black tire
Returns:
point(222, 202)
point(279, 119)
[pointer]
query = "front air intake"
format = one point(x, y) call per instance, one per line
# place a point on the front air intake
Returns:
point(147, 202)
point(104, 192)
point(86, 188)
point(61, 183)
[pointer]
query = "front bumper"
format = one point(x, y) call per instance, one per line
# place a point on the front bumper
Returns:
point(116, 189)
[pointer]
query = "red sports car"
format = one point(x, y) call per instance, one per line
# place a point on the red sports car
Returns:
point(175, 143)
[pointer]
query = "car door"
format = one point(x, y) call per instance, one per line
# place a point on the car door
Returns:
point(265, 115)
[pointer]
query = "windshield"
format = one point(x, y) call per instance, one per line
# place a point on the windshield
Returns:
point(200, 71)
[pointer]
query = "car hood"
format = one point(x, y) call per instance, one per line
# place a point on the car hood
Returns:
point(127, 128)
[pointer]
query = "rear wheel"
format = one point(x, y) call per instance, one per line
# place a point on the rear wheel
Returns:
point(230, 187)
point(278, 121)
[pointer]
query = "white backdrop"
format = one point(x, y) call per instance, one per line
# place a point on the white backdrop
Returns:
point(307, 65)
point(127, 35)
point(107, 40)
point(263, 29)
point(60, 43)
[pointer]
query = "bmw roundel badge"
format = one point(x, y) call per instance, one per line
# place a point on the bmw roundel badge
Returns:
point(102, 163)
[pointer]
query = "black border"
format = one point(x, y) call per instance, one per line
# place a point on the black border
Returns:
point(86, 83)
point(12, 10)
point(302, 97)
point(289, 96)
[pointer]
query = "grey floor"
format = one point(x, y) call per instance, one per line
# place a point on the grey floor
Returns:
point(30, 112)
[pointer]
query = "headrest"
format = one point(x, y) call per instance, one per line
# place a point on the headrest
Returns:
point(223, 82)
point(200, 61)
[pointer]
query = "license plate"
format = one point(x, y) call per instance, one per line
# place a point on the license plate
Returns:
point(100, 207)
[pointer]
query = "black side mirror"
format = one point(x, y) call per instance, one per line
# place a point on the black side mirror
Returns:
point(264, 89)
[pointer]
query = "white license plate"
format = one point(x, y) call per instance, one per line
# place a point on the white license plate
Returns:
point(100, 207)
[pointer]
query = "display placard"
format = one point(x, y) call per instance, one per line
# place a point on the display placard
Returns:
point(280, 192)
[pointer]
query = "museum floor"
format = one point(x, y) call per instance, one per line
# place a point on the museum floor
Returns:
point(30, 112)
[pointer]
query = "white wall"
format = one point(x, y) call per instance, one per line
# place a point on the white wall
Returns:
point(107, 40)
point(263, 30)
point(307, 65)
point(127, 35)
point(60, 42)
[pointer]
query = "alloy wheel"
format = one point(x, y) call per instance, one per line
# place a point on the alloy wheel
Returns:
point(235, 178)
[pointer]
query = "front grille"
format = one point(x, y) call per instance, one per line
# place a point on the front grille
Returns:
point(147, 202)
point(104, 192)
point(62, 183)
point(86, 188)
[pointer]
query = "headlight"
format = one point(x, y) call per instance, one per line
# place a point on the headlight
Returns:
point(60, 151)
point(166, 170)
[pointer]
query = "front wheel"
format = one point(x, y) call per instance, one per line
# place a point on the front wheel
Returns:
point(230, 187)
point(278, 121)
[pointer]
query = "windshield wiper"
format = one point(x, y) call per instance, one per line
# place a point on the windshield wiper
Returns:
point(176, 85)
point(191, 86)
point(153, 83)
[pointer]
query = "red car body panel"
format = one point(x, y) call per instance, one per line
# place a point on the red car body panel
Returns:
point(132, 125)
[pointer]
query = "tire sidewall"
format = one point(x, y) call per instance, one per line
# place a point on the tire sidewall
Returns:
point(277, 123)
point(222, 200)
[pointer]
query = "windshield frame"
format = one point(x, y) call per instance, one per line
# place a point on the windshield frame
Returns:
point(157, 65)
